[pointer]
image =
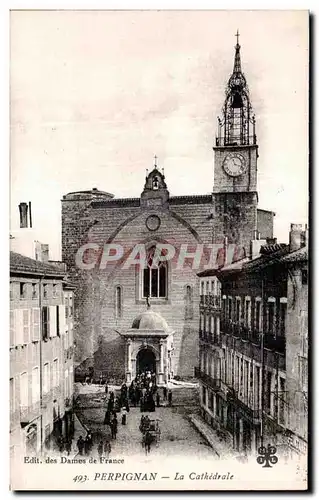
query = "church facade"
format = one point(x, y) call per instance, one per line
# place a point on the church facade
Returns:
point(112, 297)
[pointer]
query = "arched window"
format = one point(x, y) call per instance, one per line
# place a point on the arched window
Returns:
point(154, 277)
point(189, 302)
point(118, 302)
point(155, 183)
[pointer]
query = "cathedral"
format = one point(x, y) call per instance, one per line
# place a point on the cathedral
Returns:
point(132, 318)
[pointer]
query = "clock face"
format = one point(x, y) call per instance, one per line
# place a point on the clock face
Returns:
point(234, 165)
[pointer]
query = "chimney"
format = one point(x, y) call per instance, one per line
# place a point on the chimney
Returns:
point(255, 245)
point(296, 237)
point(30, 214)
point(23, 209)
point(44, 252)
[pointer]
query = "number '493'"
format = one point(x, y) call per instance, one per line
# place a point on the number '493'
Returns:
point(80, 479)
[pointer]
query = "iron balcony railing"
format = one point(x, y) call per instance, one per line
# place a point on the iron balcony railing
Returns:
point(208, 380)
point(236, 140)
point(251, 412)
point(30, 412)
point(210, 338)
point(211, 300)
point(273, 342)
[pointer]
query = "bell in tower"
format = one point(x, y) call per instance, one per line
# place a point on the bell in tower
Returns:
point(237, 125)
point(155, 193)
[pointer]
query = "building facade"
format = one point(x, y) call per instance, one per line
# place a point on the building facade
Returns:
point(41, 356)
point(110, 295)
point(253, 348)
point(149, 347)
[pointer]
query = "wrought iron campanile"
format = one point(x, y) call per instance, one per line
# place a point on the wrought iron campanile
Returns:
point(237, 125)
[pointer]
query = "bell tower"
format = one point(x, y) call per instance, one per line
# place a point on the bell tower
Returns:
point(235, 162)
point(236, 149)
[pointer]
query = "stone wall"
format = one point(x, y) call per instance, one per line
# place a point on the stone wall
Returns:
point(188, 220)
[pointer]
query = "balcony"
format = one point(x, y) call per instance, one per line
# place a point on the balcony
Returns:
point(250, 413)
point(29, 413)
point(210, 338)
point(208, 380)
point(236, 140)
point(274, 343)
point(277, 343)
point(249, 348)
point(210, 300)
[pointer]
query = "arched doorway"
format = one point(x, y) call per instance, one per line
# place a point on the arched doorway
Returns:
point(145, 361)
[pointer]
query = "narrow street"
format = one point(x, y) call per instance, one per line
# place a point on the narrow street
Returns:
point(178, 436)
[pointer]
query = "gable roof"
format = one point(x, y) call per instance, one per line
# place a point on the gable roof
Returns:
point(20, 264)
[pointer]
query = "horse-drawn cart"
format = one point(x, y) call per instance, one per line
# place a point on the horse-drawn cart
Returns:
point(150, 429)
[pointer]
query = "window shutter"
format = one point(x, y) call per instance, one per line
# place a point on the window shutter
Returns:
point(12, 327)
point(26, 326)
point(52, 317)
point(35, 324)
point(44, 319)
point(62, 319)
point(58, 331)
point(19, 326)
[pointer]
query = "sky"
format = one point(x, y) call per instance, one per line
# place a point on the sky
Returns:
point(95, 94)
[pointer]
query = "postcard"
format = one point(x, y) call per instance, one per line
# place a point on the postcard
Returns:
point(159, 250)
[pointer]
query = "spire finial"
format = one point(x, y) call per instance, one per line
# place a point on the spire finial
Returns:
point(237, 35)
point(155, 161)
point(237, 63)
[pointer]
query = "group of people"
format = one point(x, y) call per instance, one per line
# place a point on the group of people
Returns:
point(142, 392)
point(104, 448)
point(65, 444)
point(114, 406)
point(85, 445)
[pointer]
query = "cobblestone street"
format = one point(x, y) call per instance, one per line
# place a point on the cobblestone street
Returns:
point(178, 436)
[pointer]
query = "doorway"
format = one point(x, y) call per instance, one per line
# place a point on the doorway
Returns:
point(145, 361)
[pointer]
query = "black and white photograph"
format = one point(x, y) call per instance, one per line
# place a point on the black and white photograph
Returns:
point(159, 164)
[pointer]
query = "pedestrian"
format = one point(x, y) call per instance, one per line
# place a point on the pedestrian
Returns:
point(107, 418)
point(68, 446)
point(90, 440)
point(157, 399)
point(127, 406)
point(61, 444)
point(114, 427)
point(170, 396)
point(106, 388)
point(165, 393)
point(91, 374)
point(101, 378)
point(124, 414)
point(147, 442)
point(87, 446)
point(100, 448)
point(80, 445)
point(107, 448)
